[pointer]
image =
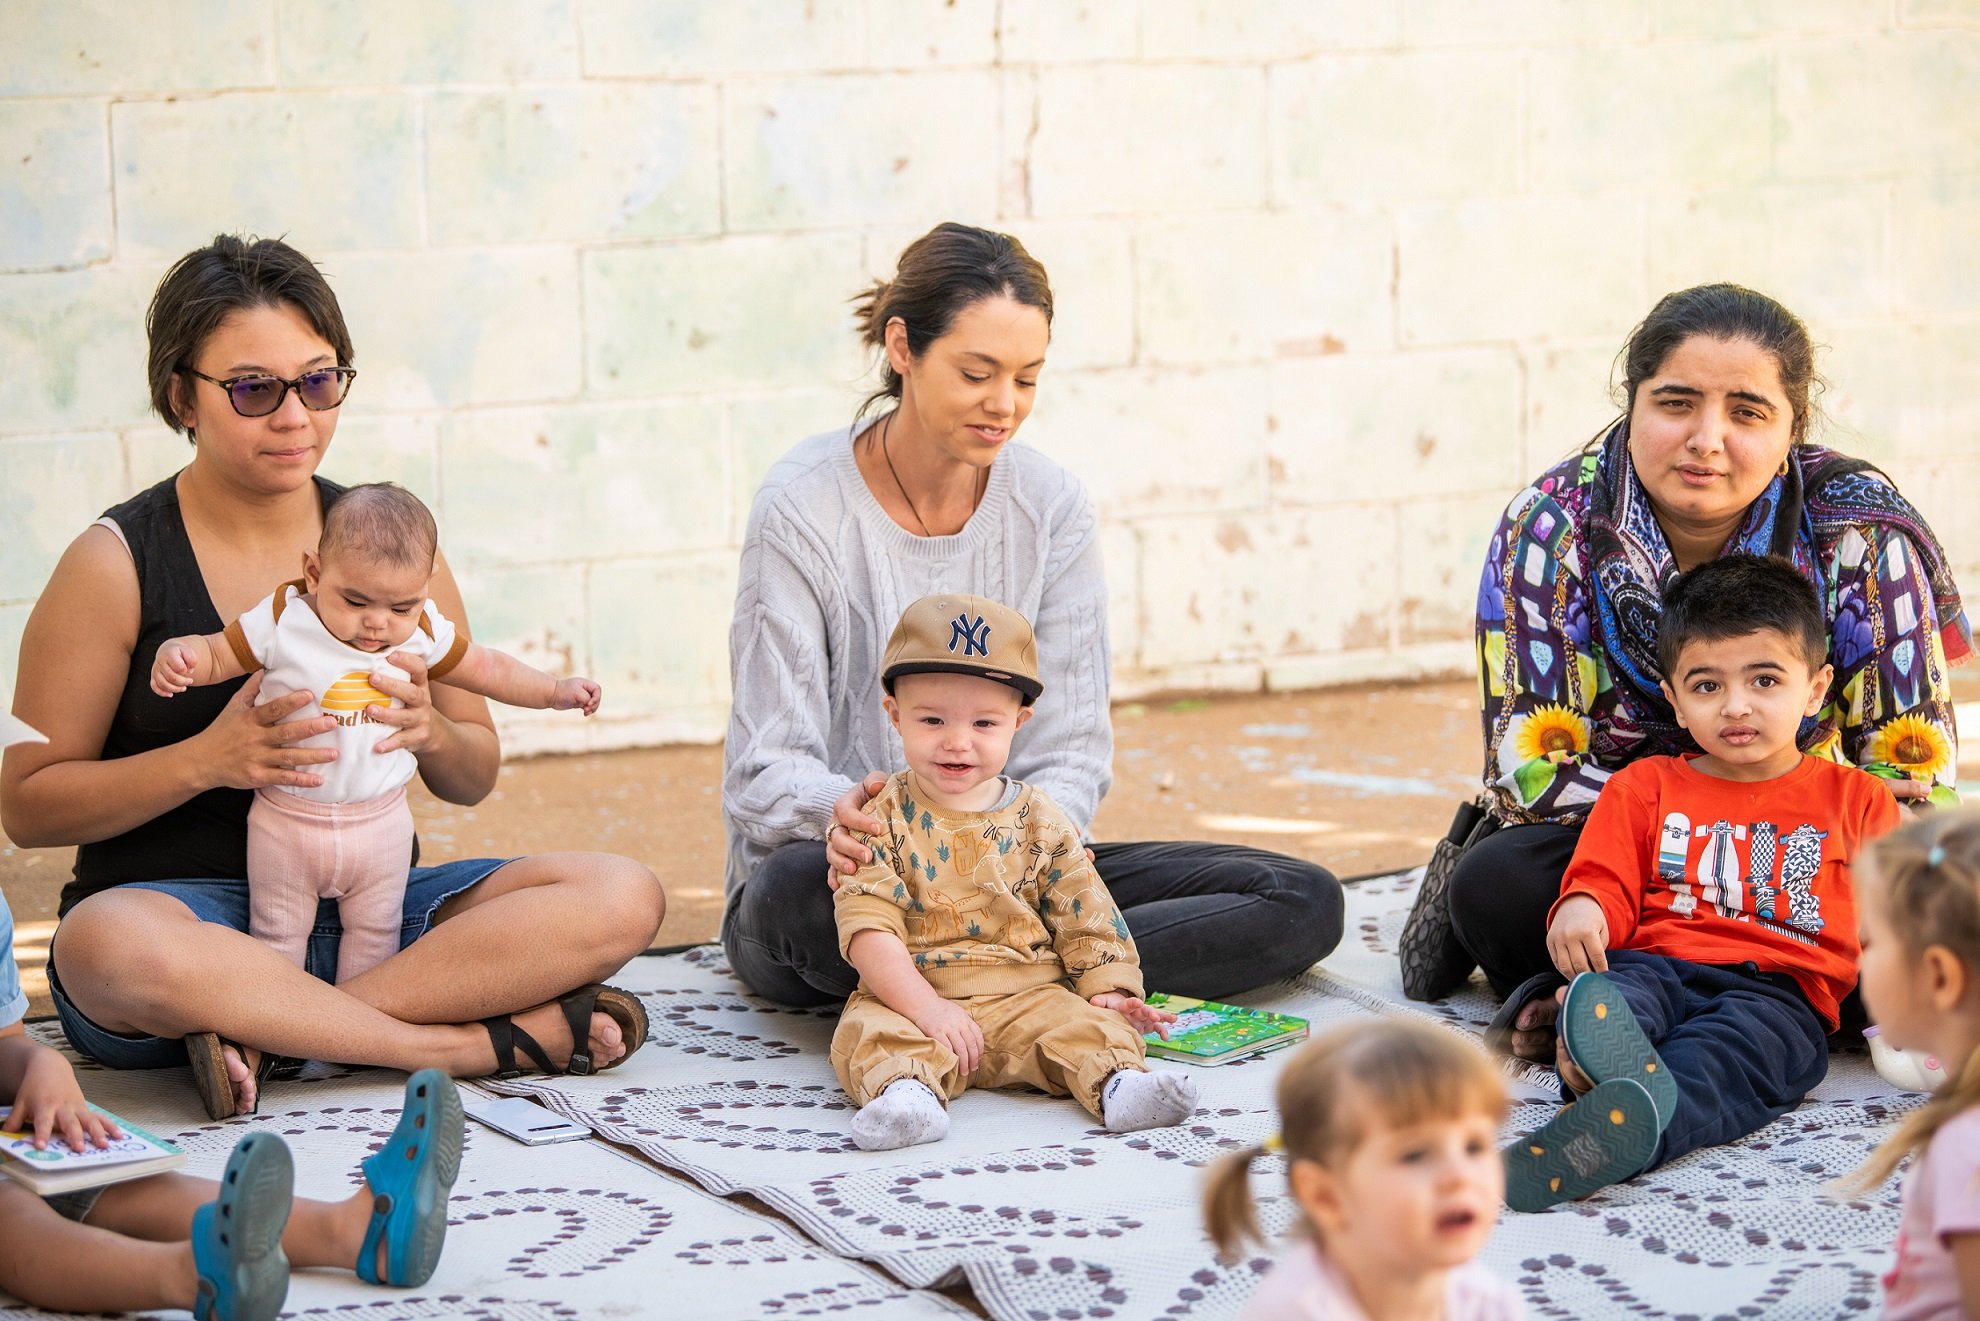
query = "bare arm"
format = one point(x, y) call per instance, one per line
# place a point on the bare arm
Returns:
point(76, 653)
point(194, 661)
point(1966, 1259)
point(502, 678)
point(887, 969)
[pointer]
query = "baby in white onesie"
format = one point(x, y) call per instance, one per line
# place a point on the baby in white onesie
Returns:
point(362, 596)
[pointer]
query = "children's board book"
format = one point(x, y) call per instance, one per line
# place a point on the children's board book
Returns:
point(57, 1169)
point(1206, 1032)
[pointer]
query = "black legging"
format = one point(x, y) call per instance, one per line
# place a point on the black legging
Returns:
point(1500, 893)
point(1209, 920)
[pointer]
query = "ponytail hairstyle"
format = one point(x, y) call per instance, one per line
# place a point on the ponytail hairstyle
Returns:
point(1393, 1071)
point(941, 275)
point(1927, 877)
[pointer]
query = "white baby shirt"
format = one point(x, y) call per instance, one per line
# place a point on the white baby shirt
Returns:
point(283, 636)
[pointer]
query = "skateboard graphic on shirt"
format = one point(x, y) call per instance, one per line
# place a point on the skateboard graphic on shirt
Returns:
point(1734, 886)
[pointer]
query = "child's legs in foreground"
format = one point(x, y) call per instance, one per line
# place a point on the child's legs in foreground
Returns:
point(51, 1261)
point(874, 1047)
point(289, 859)
point(1050, 1038)
point(374, 854)
point(1743, 1050)
point(160, 1209)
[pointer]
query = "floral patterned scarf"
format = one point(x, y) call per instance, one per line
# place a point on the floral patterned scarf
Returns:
point(1819, 496)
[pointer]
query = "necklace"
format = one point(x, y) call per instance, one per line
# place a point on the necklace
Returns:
point(982, 480)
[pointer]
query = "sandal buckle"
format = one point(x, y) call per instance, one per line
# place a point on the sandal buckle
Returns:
point(580, 1063)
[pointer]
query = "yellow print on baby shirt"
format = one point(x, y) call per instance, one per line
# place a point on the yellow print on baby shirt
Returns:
point(348, 699)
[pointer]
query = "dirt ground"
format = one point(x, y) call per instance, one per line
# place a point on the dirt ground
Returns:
point(1359, 779)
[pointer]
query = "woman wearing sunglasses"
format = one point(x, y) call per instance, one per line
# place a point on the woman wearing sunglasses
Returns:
point(151, 965)
point(934, 496)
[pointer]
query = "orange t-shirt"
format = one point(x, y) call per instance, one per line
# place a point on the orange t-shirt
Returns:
point(1726, 871)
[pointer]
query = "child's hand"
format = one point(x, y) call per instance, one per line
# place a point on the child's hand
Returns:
point(575, 695)
point(173, 670)
point(50, 1099)
point(1144, 1016)
point(1578, 937)
point(950, 1024)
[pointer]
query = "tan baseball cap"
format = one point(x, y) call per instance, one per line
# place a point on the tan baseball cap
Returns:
point(964, 635)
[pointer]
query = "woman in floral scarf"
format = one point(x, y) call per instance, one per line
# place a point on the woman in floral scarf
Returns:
point(1710, 457)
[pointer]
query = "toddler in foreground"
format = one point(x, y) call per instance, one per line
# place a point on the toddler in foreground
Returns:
point(989, 951)
point(1389, 1130)
point(1920, 907)
point(362, 596)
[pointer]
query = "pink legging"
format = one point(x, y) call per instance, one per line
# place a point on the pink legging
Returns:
point(300, 850)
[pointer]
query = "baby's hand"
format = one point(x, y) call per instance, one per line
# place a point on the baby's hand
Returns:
point(1578, 940)
point(1144, 1016)
point(575, 695)
point(50, 1099)
point(949, 1023)
point(173, 670)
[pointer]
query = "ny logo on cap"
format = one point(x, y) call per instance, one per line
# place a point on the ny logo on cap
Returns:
point(975, 638)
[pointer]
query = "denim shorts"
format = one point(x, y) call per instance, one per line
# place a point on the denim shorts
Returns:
point(226, 902)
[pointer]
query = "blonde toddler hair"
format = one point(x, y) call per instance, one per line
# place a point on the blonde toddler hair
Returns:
point(1390, 1069)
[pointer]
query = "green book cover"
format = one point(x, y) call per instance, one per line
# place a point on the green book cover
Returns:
point(1206, 1032)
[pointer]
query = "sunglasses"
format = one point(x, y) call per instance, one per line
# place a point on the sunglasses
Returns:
point(258, 396)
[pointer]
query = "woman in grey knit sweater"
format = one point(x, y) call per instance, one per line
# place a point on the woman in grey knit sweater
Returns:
point(934, 496)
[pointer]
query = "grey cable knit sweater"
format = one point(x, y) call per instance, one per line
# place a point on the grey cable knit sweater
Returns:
point(826, 573)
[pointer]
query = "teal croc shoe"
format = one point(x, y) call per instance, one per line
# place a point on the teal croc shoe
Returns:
point(1603, 1138)
point(1604, 1038)
point(409, 1181)
point(237, 1237)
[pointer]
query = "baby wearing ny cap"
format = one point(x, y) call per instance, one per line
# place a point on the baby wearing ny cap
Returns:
point(988, 950)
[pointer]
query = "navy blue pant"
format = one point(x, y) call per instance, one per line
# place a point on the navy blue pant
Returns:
point(1209, 920)
point(1743, 1045)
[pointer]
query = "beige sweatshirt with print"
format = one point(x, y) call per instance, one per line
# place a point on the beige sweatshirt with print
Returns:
point(989, 903)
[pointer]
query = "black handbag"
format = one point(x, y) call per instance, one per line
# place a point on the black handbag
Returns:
point(1433, 962)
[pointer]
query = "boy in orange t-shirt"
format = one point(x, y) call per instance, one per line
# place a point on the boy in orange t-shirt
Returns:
point(1707, 920)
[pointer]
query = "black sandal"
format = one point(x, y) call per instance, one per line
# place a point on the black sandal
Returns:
point(622, 1007)
point(206, 1053)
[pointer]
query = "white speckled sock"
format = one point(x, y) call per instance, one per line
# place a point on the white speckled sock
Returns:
point(1132, 1100)
point(905, 1114)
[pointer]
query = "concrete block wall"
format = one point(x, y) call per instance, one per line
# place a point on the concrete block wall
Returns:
point(1334, 279)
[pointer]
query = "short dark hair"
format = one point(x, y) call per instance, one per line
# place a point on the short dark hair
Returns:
point(940, 275)
point(1736, 595)
point(380, 521)
point(210, 284)
point(1733, 313)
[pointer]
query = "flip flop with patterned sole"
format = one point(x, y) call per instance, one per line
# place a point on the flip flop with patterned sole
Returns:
point(206, 1053)
point(1602, 1035)
point(237, 1237)
point(1603, 1138)
point(409, 1180)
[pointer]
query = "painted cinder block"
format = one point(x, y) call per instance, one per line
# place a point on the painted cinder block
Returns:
point(1395, 126)
point(1120, 557)
point(1492, 268)
point(390, 447)
point(1263, 29)
point(1878, 106)
point(911, 34)
point(764, 428)
point(1939, 13)
point(1568, 396)
point(732, 313)
point(588, 483)
point(1710, 20)
point(442, 329)
point(1442, 559)
point(536, 614)
point(54, 198)
point(1118, 139)
point(847, 150)
point(329, 42)
point(326, 170)
point(1934, 221)
point(1904, 393)
point(634, 38)
point(590, 162)
point(1394, 426)
point(152, 453)
point(51, 487)
point(1157, 441)
point(1244, 288)
point(1521, 22)
point(1067, 31)
point(73, 347)
point(660, 629)
point(1615, 117)
point(76, 47)
point(1818, 248)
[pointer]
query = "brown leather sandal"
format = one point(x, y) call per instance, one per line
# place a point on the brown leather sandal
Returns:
point(623, 1007)
point(206, 1053)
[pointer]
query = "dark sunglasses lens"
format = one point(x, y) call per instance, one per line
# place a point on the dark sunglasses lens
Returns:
point(256, 396)
point(324, 389)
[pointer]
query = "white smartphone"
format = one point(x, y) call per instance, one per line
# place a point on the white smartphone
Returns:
point(522, 1119)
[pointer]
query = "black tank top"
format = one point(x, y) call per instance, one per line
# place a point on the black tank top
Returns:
point(206, 836)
